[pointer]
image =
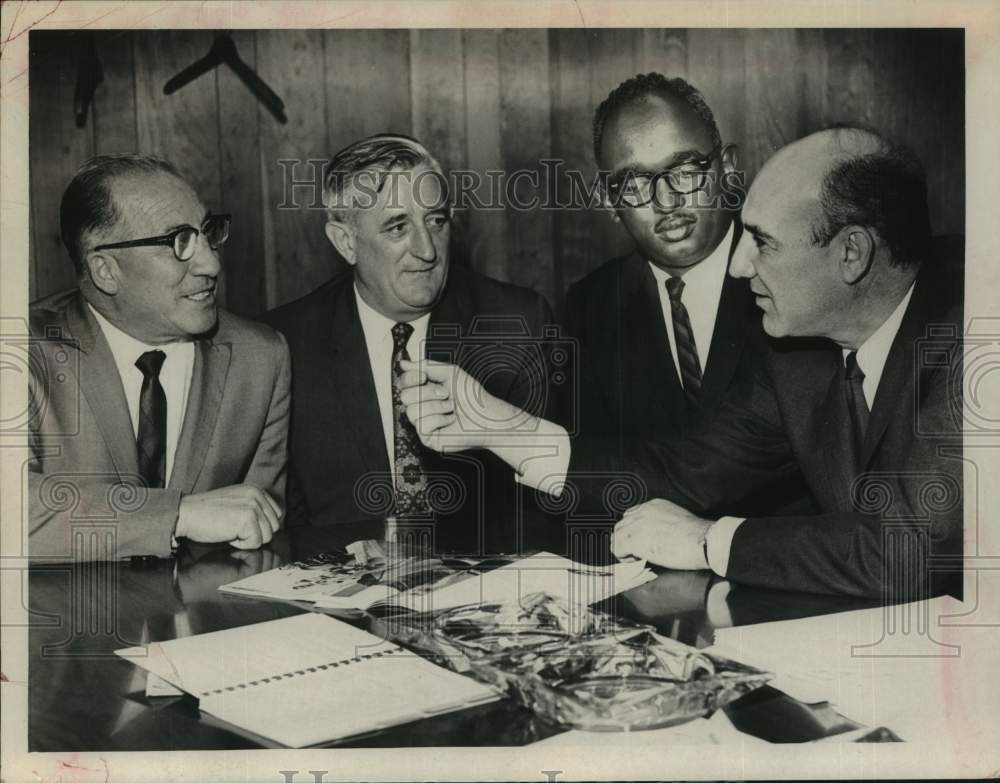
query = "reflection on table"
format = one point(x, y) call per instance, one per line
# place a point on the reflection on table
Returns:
point(83, 697)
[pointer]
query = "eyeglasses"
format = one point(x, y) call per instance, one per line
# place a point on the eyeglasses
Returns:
point(184, 240)
point(636, 189)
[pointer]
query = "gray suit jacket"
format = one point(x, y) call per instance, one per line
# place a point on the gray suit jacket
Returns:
point(86, 497)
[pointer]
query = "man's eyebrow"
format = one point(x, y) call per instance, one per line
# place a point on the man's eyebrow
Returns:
point(758, 232)
point(396, 218)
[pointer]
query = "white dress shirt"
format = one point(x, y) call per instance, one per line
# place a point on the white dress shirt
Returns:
point(702, 290)
point(175, 378)
point(378, 338)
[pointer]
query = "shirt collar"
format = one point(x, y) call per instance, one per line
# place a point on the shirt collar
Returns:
point(124, 347)
point(377, 327)
point(707, 275)
point(873, 352)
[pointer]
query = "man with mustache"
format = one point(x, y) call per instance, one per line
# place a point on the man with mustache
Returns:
point(154, 411)
point(867, 408)
point(662, 329)
point(354, 455)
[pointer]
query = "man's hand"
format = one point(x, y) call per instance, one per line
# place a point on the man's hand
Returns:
point(452, 411)
point(662, 533)
point(242, 515)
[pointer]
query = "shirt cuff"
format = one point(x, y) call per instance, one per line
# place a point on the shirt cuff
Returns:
point(719, 540)
point(716, 606)
point(545, 462)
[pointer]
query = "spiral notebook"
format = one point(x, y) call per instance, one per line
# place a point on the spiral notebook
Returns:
point(306, 680)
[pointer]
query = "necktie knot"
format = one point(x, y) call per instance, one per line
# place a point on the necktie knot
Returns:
point(400, 336)
point(149, 363)
point(851, 369)
point(675, 287)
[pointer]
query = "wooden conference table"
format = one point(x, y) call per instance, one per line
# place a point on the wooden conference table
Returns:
point(84, 698)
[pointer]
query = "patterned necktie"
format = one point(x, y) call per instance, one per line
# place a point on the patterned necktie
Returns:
point(409, 476)
point(151, 440)
point(687, 351)
point(857, 405)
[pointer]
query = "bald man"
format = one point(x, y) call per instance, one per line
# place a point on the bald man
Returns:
point(866, 410)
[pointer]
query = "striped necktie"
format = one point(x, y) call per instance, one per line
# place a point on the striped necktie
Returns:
point(687, 351)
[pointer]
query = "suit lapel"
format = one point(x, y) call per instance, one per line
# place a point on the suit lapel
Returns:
point(208, 382)
point(896, 383)
point(832, 424)
point(347, 369)
point(644, 338)
point(102, 386)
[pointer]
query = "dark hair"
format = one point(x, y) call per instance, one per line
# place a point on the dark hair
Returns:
point(881, 185)
point(646, 84)
point(380, 154)
point(88, 204)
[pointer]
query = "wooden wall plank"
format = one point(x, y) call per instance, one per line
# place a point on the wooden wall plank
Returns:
point(717, 66)
point(851, 82)
point(298, 255)
point(57, 148)
point(114, 102)
point(771, 94)
point(182, 127)
point(663, 51)
point(240, 117)
point(486, 225)
point(572, 118)
point(438, 94)
point(613, 59)
point(525, 137)
point(367, 84)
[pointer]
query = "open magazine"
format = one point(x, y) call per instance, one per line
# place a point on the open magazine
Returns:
point(419, 583)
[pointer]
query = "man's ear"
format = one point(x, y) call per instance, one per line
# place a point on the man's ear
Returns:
point(606, 203)
point(341, 236)
point(730, 157)
point(104, 272)
point(858, 252)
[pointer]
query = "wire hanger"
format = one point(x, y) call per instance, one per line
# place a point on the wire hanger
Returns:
point(224, 51)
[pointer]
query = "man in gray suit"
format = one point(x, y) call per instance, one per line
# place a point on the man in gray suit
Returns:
point(154, 412)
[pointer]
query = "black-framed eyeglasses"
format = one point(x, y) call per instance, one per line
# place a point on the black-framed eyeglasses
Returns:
point(184, 240)
point(636, 189)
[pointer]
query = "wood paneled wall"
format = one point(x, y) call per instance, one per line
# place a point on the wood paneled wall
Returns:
point(480, 99)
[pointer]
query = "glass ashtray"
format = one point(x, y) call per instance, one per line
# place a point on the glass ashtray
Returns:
point(576, 667)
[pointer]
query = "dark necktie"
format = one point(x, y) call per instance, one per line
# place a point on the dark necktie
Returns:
point(857, 405)
point(151, 439)
point(409, 477)
point(687, 351)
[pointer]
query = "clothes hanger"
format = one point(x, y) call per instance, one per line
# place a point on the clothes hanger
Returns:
point(89, 75)
point(224, 51)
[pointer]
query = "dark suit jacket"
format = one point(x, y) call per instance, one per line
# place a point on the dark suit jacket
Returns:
point(786, 419)
point(340, 471)
point(83, 466)
point(628, 386)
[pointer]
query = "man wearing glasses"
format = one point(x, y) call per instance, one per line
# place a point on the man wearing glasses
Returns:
point(662, 329)
point(153, 409)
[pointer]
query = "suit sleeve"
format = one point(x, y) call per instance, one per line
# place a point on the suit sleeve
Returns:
point(730, 466)
point(883, 549)
point(269, 467)
point(582, 406)
point(531, 389)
